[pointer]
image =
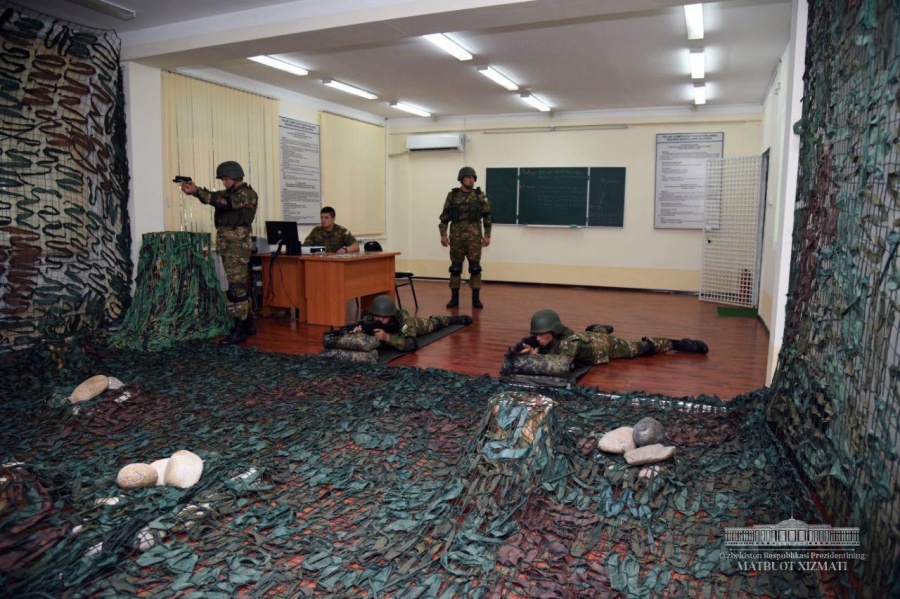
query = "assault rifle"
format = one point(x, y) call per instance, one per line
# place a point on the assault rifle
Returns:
point(370, 325)
point(530, 341)
point(182, 179)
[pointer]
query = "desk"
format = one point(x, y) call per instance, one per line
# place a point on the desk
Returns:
point(319, 285)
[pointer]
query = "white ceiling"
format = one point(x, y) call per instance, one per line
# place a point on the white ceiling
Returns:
point(577, 55)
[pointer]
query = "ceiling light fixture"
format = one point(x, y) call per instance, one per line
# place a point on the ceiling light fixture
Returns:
point(279, 64)
point(449, 46)
point(530, 99)
point(698, 64)
point(107, 8)
point(693, 16)
point(349, 89)
point(501, 80)
point(699, 94)
point(411, 109)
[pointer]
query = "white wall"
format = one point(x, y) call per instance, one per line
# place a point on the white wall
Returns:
point(634, 256)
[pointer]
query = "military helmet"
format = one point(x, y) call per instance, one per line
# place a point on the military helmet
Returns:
point(466, 171)
point(546, 321)
point(383, 305)
point(230, 169)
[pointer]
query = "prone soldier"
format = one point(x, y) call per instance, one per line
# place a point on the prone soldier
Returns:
point(396, 329)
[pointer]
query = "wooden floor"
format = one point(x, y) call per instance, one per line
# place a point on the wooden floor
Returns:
point(735, 364)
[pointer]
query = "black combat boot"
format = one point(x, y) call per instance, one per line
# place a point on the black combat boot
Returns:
point(645, 347)
point(599, 328)
point(476, 301)
point(693, 346)
point(463, 319)
point(249, 327)
point(454, 298)
point(236, 335)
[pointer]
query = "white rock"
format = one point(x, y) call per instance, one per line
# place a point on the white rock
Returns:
point(649, 454)
point(649, 472)
point(184, 469)
point(147, 538)
point(134, 476)
point(90, 388)
point(160, 466)
point(107, 501)
point(617, 441)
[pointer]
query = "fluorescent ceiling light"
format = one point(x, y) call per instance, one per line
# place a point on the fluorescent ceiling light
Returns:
point(535, 102)
point(698, 64)
point(410, 109)
point(107, 8)
point(699, 94)
point(693, 16)
point(449, 46)
point(280, 64)
point(497, 78)
point(349, 89)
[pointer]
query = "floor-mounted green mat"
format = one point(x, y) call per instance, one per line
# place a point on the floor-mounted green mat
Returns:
point(736, 311)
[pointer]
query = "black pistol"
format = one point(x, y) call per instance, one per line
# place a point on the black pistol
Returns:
point(182, 179)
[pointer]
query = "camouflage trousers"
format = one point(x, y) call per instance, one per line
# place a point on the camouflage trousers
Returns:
point(234, 247)
point(465, 244)
point(601, 347)
point(422, 326)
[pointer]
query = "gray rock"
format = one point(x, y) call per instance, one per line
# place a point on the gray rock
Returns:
point(617, 441)
point(649, 454)
point(648, 431)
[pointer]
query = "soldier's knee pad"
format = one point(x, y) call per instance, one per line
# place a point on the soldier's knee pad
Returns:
point(474, 268)
point(237, 292)
point(456, 268)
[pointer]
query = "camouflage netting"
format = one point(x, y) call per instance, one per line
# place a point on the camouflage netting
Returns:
point(65, 240)
point(334, 479)
point(835, 402)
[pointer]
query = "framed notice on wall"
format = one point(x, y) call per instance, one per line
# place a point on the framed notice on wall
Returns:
point(681, 177)
point(301, 173)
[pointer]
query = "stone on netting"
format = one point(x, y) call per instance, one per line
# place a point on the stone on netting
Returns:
point(350, 341)
point(160, 467)
point(649, 431)
point(184, 469)
point(135, 476)
point(649, 454)
point(537, 364)
point(618, 441)
point(147, 538)
point(90, 388)
point(650, 472)
point(115, 384)
point(345, 355)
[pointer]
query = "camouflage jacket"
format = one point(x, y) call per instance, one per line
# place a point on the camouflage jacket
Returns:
point(235, 207)
point(333, 240)
point(399, 329)
point(470, 210)
point(585, 348)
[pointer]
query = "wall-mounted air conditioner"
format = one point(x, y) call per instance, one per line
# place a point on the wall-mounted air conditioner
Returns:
point(433, 142)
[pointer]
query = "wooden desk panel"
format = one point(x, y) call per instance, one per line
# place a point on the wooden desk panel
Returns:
point(320, 285)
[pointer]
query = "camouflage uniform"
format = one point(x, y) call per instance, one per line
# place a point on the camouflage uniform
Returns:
point(467, 212)
point(590, 347)
point(235, 210)
point(333, 240)
point(410, 328)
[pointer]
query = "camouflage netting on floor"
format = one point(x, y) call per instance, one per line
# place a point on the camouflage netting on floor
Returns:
point(336, 479)
point(836, 396)
point(65, 240)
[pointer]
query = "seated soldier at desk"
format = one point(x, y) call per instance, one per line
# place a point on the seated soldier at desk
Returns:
point(396, 329)
point(330, 235)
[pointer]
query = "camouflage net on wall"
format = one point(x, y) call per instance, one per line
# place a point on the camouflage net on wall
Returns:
point(65, 241)
point(333, 479)
point(835, 401)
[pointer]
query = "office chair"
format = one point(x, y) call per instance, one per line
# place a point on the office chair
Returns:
point(404, 278)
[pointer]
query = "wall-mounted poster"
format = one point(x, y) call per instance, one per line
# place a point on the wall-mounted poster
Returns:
point(301, 182)
point(681, 177)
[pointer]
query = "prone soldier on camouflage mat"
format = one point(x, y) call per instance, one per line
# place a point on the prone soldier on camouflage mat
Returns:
point(235, 208)
point(596, 345)
point(465, 209)
point(396, 329)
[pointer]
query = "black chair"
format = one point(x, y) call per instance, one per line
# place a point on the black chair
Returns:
point(401, 279)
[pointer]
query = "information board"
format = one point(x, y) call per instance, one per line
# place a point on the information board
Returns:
point(301, 183)
point(557, 196)
point(681, 177)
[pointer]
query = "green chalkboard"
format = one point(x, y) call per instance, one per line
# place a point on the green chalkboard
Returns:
point(557, 196)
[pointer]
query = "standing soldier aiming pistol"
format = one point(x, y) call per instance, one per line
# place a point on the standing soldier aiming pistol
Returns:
point(465, 209)
point(235, 209)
